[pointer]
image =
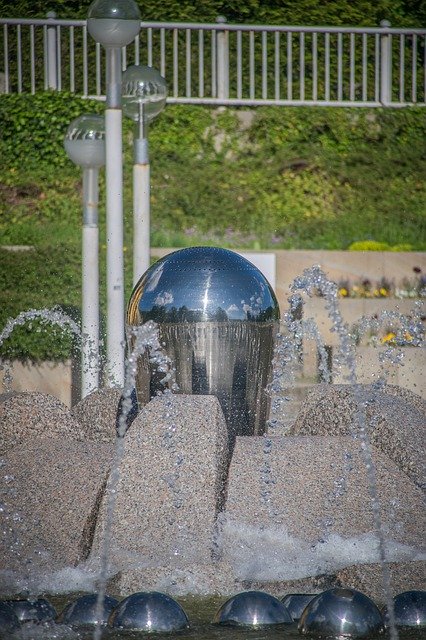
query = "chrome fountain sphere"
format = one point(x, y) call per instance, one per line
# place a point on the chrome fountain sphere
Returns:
point(217, 317)
point(295, 603)
point(410, 609)
point(85, 611)
point(252, 609)
point(149, 611)
point(341, 612)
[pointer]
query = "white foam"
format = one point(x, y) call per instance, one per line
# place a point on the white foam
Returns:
point(270, 553)
point(67, 580)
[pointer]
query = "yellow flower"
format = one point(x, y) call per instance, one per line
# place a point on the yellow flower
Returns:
point(408, 337)
point(383, 292)
point(343, 292)
point(389, 337)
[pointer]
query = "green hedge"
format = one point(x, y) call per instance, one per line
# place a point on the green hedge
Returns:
point(295, 178)
point(37, 279)
point(33, 126)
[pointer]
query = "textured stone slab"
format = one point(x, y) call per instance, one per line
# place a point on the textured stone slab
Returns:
point(403, 576)
point(24, 416)
point(171, 483)
point(301, 506)
point(97, 414)
point(50, 492)
point(395, 417)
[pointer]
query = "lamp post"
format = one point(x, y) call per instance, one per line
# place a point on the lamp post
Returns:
point(144, 93)
point(85, 146)
point(114, 24)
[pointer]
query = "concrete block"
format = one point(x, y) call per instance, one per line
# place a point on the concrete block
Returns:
point(171, 484)
point(395, 420)
point(59, 379)
point(403, 576)
point(302, 506)
point(97, 414)
point(24, 416)
point(50, 493)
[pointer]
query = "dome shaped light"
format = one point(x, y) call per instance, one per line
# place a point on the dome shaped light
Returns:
point(151, 611)
point(410, 609)
point(85, 141)
point(86, 611)
point(296, 603)
point(341, 612)
point(38, 610)
point(113, 23)
point(252, 609)
point(143, 86)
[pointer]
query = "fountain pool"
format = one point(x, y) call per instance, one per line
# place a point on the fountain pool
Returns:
point(328, 501)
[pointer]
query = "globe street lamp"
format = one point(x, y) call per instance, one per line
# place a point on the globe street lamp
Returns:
point(144, 93)
point(85, 145)
point(114, 24)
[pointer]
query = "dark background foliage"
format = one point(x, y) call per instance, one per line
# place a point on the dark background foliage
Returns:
point(302, 12)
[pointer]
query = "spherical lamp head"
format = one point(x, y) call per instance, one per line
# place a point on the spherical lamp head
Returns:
point(145, 86)
point(85, 141)
point(113, 23)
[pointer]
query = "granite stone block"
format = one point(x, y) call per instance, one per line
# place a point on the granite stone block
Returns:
point(97, 414)
point(171, 483)
point(303, 506)
point(394, 419)
point(50, 493)
point(27, 415)
point(403, 576)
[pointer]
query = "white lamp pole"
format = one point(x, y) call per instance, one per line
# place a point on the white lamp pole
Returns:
point(144, 93)
point(85, 145)
point(114, 23)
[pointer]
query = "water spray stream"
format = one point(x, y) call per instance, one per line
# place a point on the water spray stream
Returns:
point(142, 338)
point(313, 281)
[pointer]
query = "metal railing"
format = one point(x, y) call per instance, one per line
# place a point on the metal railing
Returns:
point(225, 64)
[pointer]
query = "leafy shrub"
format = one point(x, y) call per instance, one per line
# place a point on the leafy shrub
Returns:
point(373, 245)
point(32, 127)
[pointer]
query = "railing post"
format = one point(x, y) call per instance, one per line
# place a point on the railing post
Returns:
point(52, 59)
point(385, 65)
point(222, 62)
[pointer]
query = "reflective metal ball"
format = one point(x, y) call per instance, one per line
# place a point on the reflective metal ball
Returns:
point(8, 620)
point(32, 610)
point(295, 603)
point(341, 612)
point(84, 610)
point(252, 608)
point(217, 317)
point(151, 611)
point(410, 609)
